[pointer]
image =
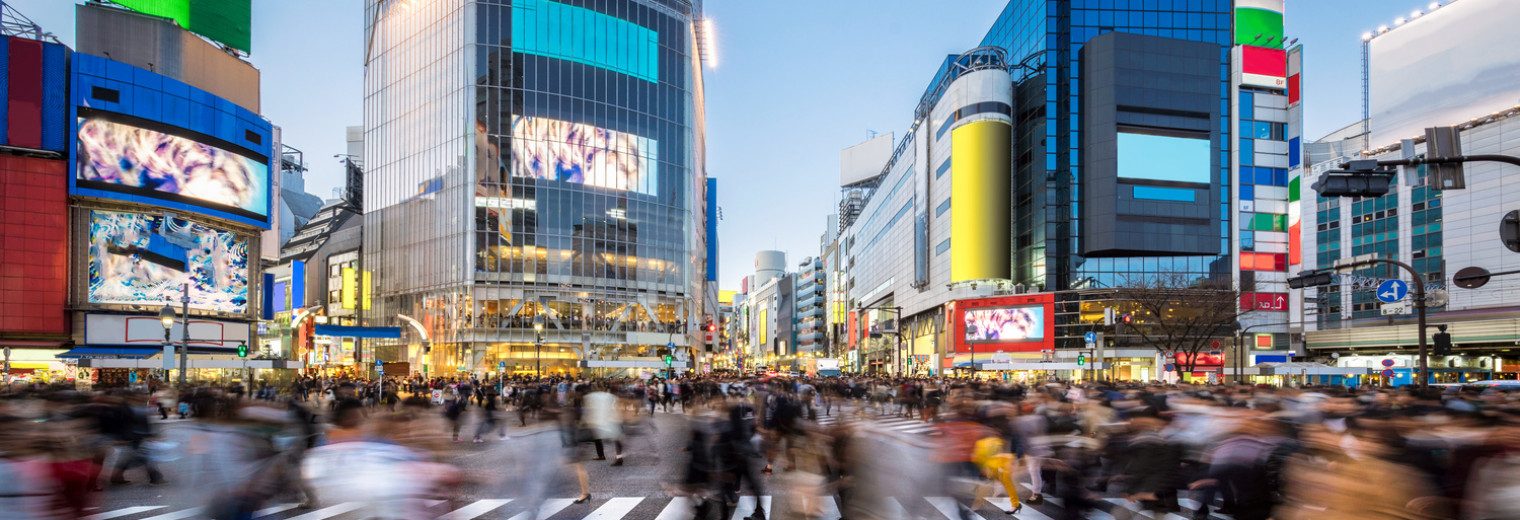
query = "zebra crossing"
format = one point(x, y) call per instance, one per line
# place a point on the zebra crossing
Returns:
point(646, 508)
point(895, 423)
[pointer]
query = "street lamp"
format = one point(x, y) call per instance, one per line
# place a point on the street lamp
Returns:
point(166, 317)
point(538, 345)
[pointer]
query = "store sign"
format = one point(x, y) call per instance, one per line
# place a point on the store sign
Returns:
point(122, 329)
point(1264, 301)
point(1204, 359)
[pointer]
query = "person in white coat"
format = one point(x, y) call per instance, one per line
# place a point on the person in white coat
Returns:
point(601, 418)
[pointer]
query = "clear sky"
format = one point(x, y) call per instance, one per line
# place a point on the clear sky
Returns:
point(796, 81)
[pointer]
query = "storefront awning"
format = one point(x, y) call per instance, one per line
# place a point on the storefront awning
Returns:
point(111, 352)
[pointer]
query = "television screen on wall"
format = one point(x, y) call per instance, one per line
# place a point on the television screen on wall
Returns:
point(579, 153)
point(141, 259)
point(1005, 324)
point(140, 158)
point(1164, 158)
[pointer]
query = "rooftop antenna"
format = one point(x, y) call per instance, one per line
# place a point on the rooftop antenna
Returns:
point(871, 133)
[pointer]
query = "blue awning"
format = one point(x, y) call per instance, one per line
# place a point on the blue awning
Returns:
point(111, 352)
point(358, 332)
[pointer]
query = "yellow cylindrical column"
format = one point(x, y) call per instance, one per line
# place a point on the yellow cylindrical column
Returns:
point(980, 213)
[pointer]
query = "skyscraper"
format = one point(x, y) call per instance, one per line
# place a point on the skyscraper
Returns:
point(533, 161)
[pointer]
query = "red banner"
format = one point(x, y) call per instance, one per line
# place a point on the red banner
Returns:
point(1264, 302)
point(1205, 359)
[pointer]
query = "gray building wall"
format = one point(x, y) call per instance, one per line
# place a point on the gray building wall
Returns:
point(1157, 86)
point(158, 45)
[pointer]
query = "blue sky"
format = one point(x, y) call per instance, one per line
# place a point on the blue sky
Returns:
point(796, 81)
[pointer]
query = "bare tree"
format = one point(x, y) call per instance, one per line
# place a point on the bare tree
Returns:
point(1181, 314)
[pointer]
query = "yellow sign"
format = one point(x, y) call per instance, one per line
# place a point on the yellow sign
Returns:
point(349, 287)
point(979, 201)
point(364, 290)
point(763, 324)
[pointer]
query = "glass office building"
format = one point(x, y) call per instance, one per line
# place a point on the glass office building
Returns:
point(1046, 38)
point(532, 159)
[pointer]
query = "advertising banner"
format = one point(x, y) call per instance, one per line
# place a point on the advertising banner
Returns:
point(122, 329)
point(579, 153)
point(147, 259)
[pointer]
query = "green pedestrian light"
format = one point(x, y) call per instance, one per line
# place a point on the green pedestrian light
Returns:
point(242, 350)
point(1081, 359)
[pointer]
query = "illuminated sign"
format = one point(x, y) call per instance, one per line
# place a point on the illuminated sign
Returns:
point(1263, 67)
point(1164, 158)
point(1264, 301)
point(1005, 324)
point(1259, 23)
point(130, 262)
point(579, 153)
point(539, 26)
point(226, 21)
point(140, 158)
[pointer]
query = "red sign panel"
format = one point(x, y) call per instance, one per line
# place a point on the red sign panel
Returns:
point(1264, 301)
point(1029, 307)
point(1205, 359)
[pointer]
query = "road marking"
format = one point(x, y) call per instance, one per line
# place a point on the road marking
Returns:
point(274, 510)
point(947, 506)
point(478, 508)
point(330, 511)
point(547, 509)
point(614, 509)
point(679, 508)
point(1029, 512)
point(121, 512)
point(177, 515)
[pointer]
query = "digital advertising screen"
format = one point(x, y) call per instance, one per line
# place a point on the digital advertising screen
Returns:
point(137, 258)
point(130, 156)
point(1005, 324)
point(579, 153)
point(1164, 158)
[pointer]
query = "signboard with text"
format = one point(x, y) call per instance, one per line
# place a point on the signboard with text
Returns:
point(1264, 301)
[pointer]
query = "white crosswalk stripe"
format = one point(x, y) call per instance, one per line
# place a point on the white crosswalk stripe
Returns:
point(473, 510)
point(676, 508)
point(108, 515)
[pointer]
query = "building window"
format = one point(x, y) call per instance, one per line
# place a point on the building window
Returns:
point(942, 208)
point(942, 247)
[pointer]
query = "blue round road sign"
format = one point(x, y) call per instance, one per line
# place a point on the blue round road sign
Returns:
point(1388, 372)
point(1091, 337)
point(1170, 368)
point(1391, 291)
point(1388, 363)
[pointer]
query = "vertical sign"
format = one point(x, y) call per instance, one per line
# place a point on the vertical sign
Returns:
point(350, 282)
point(364, 289)
point(1295, 153)
point(297, 286)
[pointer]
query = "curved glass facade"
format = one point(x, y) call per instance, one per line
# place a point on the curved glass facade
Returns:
point(534, 157)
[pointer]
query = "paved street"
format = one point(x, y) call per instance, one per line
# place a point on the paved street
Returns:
point(495, 488)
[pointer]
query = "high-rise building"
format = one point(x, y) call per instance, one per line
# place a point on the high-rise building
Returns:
point(528, 162)
point(1081, 147)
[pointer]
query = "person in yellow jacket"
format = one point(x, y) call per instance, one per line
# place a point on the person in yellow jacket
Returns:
point(998, 465)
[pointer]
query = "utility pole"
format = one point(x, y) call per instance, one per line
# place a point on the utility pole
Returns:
point(184, 338)
point(1417, 289)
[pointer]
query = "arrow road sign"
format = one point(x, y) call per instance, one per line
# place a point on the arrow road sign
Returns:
point(1091, 337)
point(1391, 291)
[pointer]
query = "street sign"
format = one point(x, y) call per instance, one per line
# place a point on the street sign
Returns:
point(379, 363)
point(1216, 352)
point(1169, 367)
point(1388, 363)
point(1390, 309)
point(1391, 291)
point(1388, 372)
point(1091, 337)
point(1471, 277)
point(501, 366)
point(1214, 345)
point(380, 371)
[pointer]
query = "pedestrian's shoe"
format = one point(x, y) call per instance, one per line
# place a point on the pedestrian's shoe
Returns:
point(583, 499)
point(759, 514)
point(600, 458)
point(118, 481)
point(158, 482)
point(618, 462)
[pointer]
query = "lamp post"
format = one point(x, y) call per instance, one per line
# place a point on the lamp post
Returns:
point(538, 345)
point(166, 317)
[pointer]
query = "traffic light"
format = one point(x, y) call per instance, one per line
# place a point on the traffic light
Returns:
point(668, 359)
point(1364, 179)
point(1081, 358)
point(1443, 343)
point(1310, 279)
point(242, 350)
point(1124, 320)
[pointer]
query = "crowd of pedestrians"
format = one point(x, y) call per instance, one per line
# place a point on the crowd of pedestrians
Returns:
point(1249, 452)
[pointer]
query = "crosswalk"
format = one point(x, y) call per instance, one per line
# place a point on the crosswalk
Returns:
point(642, 508)
point(895, 423)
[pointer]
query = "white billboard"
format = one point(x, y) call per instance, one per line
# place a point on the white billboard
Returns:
point(1444, 67)
point(865, 160)
point(148, 331)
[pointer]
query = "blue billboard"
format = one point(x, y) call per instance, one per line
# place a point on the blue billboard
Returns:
point(146, 138)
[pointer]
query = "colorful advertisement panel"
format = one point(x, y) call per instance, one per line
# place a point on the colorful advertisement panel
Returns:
point(1259, 23)
point(1263, 67)
point(136, 157)
point(139, 259)
point(579, 153)
point(1006, 324)
point(226, 21)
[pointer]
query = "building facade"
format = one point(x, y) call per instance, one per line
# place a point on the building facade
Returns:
point(514, 178)
point(1082, 147)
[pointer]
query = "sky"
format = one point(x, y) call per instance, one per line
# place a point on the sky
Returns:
point(795, 82)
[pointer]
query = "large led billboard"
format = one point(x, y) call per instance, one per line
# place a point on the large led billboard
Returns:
point(139, 259)
point(225, 21)
point(1445, 67)
point(579, 153)
point(131, 156)
point(1164, 158)
point(1005, 324)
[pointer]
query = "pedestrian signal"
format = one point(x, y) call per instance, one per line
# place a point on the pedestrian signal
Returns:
point(242, 350)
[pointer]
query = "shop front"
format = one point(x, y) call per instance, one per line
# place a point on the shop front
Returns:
point(1003, 338)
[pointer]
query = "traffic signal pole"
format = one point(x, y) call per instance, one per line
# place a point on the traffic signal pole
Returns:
point(1417, 287)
